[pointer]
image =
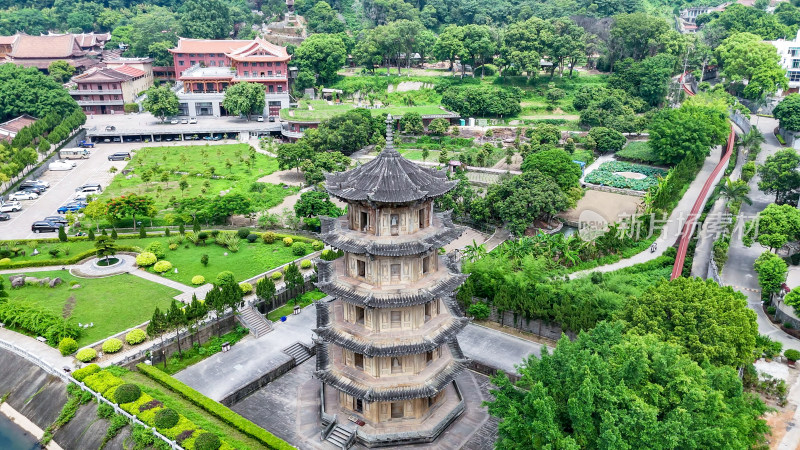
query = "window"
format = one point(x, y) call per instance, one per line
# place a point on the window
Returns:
point(397, 365)
point(180, 63)
point(395, 272)
point(363, 224)
point(99, 87)
point(359, 405)
point(271, 89)
point(362, 268)
point(794, 51)
point(428, 308)
point(246, 64)
point(394, 221)
point(397, 410)
point(359, 315)
point(426, 264)
point(794, 76)
point(191, 63)
point(421, 214)
point(428, 357)
point(246, 73)
point(221, 63)
point(191, 54)
point(269, 64)
point(280, 88)
point(269, 72)
point(359, 361)
point(395, 317)
point(212, 63)
point(796, 64)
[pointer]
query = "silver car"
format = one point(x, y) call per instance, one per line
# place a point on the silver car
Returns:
point(23, 195)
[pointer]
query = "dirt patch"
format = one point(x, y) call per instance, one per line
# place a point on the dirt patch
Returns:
point(287, 177)
point(66, 311)
point(632, 175)
point(609, 205)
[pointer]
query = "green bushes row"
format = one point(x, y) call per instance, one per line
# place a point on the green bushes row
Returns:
point(37, 321)
point(61, 262)
point(215, 408)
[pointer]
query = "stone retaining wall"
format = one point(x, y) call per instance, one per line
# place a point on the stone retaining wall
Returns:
point(538, 327)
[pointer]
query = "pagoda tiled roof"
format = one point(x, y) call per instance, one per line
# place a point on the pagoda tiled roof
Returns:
point(391, 346)
point(336, 235)
point(389, 178)
point(341, 382)
point(331, 284)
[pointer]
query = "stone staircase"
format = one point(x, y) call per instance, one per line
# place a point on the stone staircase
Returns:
point(341, 437)
point(253, 320)
point(298, 352)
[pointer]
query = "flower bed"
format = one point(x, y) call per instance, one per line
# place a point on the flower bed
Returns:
point(606, 175)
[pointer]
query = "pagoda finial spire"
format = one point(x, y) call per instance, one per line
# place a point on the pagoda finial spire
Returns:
point(389, 148)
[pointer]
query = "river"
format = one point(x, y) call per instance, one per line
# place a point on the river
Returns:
point(12, 437)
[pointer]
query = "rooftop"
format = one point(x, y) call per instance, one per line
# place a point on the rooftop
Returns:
point(50, 46)
point(10, 128)
point(186, 45)
point(96, 75)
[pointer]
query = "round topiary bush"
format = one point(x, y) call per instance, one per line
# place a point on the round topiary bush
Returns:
point(173, 246)
point(136, 336)
point(166, 418)
point(252, 238)
point(146, 259)
point(243, 233)
point(299, 249)
point(67, 346)
point(86, 355)
point(277, 275)
point(287, 242)
point(156, 248)
point(207, 441)
point(127, 393)
point(246, 288)
point(225, 277)
point(269, 237)
point(317, 245)
point(198, 279)
point(305, 264)
point(162, 266)
point(112, 345)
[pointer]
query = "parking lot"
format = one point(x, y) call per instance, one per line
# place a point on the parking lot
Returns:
point(62, 188)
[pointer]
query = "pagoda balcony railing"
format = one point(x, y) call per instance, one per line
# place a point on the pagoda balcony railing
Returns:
point(291, 134)
point(100, 102)
point(95, 91)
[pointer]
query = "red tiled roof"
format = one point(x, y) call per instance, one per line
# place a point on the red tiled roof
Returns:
point(10, 129)
point(7, 40)
point(105, 75)
point(91, 39)
point(186, 45)
point(128, 70)
point(259, 49)
point(50, 46)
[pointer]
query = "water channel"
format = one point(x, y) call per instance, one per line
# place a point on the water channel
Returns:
point(12, 437)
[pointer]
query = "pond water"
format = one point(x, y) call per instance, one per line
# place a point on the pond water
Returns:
point(567, 230)
point(12, 437)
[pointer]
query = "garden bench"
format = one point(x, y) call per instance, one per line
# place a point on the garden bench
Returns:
point(41, 339)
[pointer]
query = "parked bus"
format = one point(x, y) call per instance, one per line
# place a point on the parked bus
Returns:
point(73, 153)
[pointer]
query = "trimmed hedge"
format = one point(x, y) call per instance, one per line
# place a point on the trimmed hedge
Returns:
point(166, 418)
point(162, 266)
point(127, 393)
point(217, 409)
point(112, 345)
point(67, 346)
point(91, 369)
point(61, 262)
point(198, 279)
point(86, 355)
point(207, 441)
point(136, 336)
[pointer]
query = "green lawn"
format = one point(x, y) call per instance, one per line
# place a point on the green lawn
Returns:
point(114, 304)
point(639, 151)
point(196, 354)
point(304, 300)
point(198, 416)
point(197, 163)
point(416, 155)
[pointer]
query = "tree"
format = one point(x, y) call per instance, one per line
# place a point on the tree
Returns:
point(771, 270)
point(205, 19)
point(647, 79)
point(61, 71)
point(450, 44)
point(176, 319)
point(130, 205)
point(316, 203)
point(735, 191)
point(638, 36)
point(157, 327)
point(520, 200)
point(607, 140)
point(482, 100)
point(438, 127)
point(713, 323)
point(313, 169)
point(293, 278)
point(265, 289)
point(106, 247)
point(567, 46)
point(29, 91)
point(777, 225)
point(62, 234)
point(215, 302)
point(788, 112)
point(524, 43)
point(156, 24)
point(159, 51)
point(691, 129)
point(479, 45)
point(161, 102)
point(323, 55)
point(323, 19)
point(745, 58)
point(779, 173)
point(292, 155)
point(411, 123)
point(195, 312)
point(607, 389)
point(244, 99)
point(555, 163)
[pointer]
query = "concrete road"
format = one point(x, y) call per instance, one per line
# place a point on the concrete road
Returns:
point(62, 188)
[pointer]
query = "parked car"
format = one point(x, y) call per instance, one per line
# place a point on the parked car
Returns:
point(23, 195)
point(184, 121)
point(57, 165)
point(65, 161)
point(4, 217)
point(260, 119)
point(71, 207)
point(110, 128)
point(94, 185)
point(119, 156)
point(80, 197)
point(91, 190)
point(38, 183)
point(11, 207)
point(86, 144)
point(193, 120)
point(174, 121)
point(58, 220)
point(272, 118)
point(44, 227)
point(34, 189)
point(116, 139)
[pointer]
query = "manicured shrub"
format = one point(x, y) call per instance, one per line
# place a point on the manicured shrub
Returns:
point(480, 311)
point(243, 233)
point(225, 277)
point(269, 237)
point(86, 355)
point(246, 288)
point(5, 261)
point(91, 369)
point(112, 345)
point(127, 393)
point(136, 336)
point(287, 241)
point(166, 232)
point(146, 259)
point(276, 275)
point(67, 346)
point(207, 441)
point(252, 238)
point(166, 418)
point(317, 245)
point(173, 246)
point(156, 248)
point(162, 266)
point(198, 280)
point(204, 260)
point(299, 249)
point(215, 233)
point(330, 254)
point(792, 354)
point(305, 264)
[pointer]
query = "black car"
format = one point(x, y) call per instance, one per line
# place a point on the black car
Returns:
point(4, 216)
point(35, 189)
point(56, 220)
point(32, 184)
point(119, 156)
point(44, 227)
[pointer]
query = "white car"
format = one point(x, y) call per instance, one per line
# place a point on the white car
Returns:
point(23, 195)
point(260, 118)
point(59, 166)
point(174, 121)
point(90, 190)
point(10, 207)
point(73, 163)
point(193, 120)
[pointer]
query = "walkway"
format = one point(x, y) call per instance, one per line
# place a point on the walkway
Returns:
point(49, 355)
point(672, 229)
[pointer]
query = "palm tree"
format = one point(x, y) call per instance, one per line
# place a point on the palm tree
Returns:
point(735, 191)
point(474, 251)
point(752, 140)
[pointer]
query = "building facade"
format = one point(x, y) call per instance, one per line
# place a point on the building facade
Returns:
point(107, 90)
point(207, 67)
point(789, 51)
point(386, 350)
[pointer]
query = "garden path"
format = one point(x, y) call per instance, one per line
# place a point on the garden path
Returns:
point(49, 355)
point(600, 160)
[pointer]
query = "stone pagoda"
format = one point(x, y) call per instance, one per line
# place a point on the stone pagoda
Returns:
point(387, 354)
